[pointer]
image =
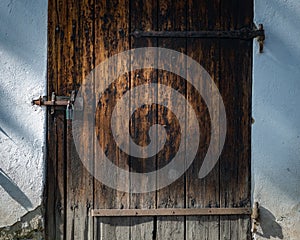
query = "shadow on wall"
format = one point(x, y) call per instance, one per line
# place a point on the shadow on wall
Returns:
point(1, 130)
point(269, 226)
point(14, 191)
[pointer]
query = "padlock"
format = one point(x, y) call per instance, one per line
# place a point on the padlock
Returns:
point(69, 111)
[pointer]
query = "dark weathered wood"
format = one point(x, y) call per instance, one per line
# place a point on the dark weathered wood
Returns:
point(112, 37)
point(203, 193)
point(235, 86)
point(54, 221)
point(55, 207)
point(171, 17)
point(170, 212)
point(64, 75)
point(56, 211)
point(79, 35)
point(50, 191)
point(82, 34)
point(235, 161)
point(143, 15)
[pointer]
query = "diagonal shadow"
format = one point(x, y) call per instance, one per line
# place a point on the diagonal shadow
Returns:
point(1, 130)
point(270, 228)
point(14, 191)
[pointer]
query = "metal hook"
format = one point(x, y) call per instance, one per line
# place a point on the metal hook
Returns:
point(261, 38)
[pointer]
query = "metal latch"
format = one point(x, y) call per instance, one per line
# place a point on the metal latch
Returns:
point(56, 102)
point(244, 33)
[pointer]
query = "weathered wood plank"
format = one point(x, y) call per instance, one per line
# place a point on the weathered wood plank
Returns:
point(171, 17)
point(235, 227)
point(55, 208)
point(78, 55)
point(143, 17)
point(112, 37)
point(205, 227)
point(51, 182)
point(235, 165)
point(203, 193)
point(54, 221)
point(235, 86)
point(170, 212)
point(56, 211)
point(60, 177)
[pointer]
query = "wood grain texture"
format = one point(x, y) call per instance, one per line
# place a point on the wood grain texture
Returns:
point(55, 206)
point(235, 86)
point(170, 212)
point(112, 37)
point(171, 17)
point(143, 16)
point(65, 73)
point(203, 193)
point(56, 167)
point(82, 34)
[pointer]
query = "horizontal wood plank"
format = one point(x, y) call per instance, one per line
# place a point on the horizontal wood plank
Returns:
point(169, 212)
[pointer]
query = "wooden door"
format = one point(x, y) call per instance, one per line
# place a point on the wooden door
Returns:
point(84, 33)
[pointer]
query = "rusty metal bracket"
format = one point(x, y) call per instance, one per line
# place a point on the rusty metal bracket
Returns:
point(169, 212)
point(55, 101)
point(245, 33)
point(255, 217)
point(261, 38)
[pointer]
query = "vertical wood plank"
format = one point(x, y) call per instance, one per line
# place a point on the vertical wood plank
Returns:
point(79, 38)
point(171, 17)
point(112, 37)
point(235, 161)
point(56, 126)
point(143, 16)
point(235, 86)
point(203, 193)
point(60, 177)
point(54, 222)
point(50, 211)
point(55, 210)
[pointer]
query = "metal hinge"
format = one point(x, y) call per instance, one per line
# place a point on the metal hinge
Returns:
point(245, 33)
point(255, 217)
point(57, 102)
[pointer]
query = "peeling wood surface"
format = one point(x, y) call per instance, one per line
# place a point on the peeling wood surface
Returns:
point(82, 34)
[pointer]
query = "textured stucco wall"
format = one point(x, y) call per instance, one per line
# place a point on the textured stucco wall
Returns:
point(276, 131)
point(23, 50)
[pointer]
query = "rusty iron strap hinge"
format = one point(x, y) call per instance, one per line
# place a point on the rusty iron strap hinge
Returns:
point(56, 102)
point(245, 33)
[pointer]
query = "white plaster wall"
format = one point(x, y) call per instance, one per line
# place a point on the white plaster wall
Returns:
point(23, 49)
point(276, 131)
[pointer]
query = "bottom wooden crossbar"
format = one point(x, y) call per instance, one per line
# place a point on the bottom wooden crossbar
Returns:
point(169, 212)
